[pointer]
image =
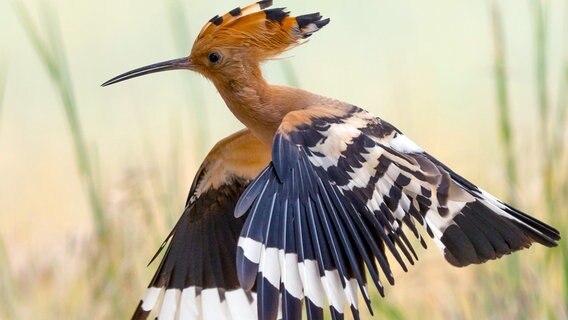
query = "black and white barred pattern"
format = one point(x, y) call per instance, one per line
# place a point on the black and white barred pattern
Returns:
point(339, 189)
point(197, 277)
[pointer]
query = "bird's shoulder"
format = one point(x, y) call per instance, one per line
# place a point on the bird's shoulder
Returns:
point(333, 119)
point(197, 268)
point(238, 157)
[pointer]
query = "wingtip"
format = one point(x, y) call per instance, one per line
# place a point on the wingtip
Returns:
point(268, 298)
point(140, 313)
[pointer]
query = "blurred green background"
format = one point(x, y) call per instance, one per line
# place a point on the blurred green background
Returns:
point(92, 179)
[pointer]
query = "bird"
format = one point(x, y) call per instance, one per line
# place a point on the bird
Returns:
point(296, 212)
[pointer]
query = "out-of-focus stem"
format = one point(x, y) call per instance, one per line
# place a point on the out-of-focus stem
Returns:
point(200, 118)
point(502, 94)
point(7, 288)
point(2, 87)
point(560, 147)
point(540, 12)
point(51, 54)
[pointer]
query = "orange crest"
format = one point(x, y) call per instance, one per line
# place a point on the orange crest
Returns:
point(267, 32)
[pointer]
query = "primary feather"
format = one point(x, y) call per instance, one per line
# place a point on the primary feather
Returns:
point(359, 180)
point(197, 276)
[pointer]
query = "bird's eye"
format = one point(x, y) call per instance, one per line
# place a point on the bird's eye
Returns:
point(214, 57)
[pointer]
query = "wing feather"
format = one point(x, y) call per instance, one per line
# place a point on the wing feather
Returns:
point(342, 188)
point(197, 277)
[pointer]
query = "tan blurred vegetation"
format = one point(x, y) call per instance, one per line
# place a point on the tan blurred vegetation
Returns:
point(93, 179)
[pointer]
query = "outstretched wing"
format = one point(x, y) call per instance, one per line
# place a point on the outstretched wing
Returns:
point(197, 277)
point(341, 185)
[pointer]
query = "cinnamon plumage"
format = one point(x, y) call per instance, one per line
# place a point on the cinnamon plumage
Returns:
point(291, 214)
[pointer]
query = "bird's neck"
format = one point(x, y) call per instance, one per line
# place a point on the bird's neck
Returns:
point(259, 105)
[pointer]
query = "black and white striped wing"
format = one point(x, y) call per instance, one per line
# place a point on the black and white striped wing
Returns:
point(341, 185)
point(197, 274)
point(197, 277)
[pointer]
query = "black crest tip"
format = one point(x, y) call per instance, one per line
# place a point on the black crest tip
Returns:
point(304, 20)
point(276, 14)
point(235, 12)
point(264, 4)
point(216, 20)
point(322, 23)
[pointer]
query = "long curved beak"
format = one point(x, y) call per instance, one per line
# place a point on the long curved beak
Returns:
point(175, 64)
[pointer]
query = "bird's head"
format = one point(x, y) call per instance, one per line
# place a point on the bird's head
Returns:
point(236, 42)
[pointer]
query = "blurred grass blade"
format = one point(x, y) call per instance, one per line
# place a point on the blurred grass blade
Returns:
point(51, 53)
point(2, 87)
point(175, 204)
point(503, 108)
point(560, 145)
point(200, 118)
point(561, 150)
point(159, 190)
point(540, 16)
point(540, 13)
point(7, 288)
point(386, 310)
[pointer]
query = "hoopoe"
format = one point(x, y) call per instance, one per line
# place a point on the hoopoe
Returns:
point(302, 204)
